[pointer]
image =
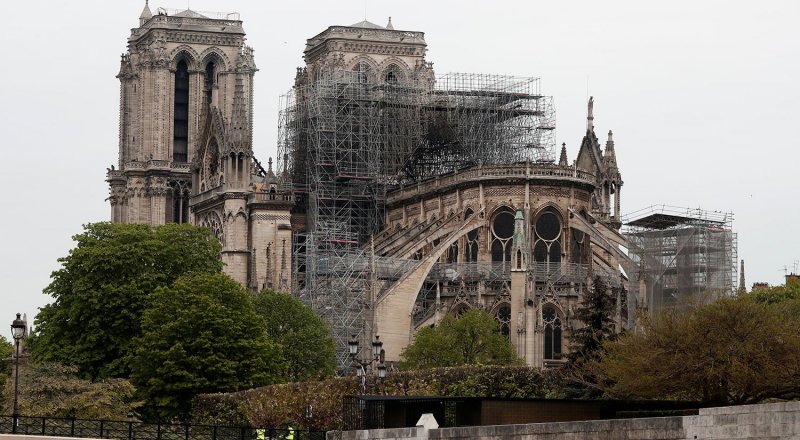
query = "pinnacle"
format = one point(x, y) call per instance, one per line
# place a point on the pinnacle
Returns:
point(562, 161)
point(146, 14)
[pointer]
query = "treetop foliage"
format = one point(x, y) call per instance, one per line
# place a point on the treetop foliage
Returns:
point(6, 353)
point(104, 286)
point(305, 339)
point(201, 335)
point(474, 338)
point(53, 390)
point(596, 313)
point(732, 351)
point(596, 327)
point(778, 294)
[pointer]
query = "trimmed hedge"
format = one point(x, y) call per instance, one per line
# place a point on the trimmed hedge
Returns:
point(286, 404)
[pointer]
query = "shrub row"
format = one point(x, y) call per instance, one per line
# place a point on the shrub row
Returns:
point(288, 404)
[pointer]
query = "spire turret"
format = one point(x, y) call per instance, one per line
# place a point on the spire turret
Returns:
point(562, 161)
point(389, 25)
point(590, 115)
point(240, 120)
point(742, 284)
point(270, 178)
point(146, 14)
point(609, 157)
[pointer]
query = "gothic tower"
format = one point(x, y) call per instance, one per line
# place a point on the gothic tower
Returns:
point(185, 103)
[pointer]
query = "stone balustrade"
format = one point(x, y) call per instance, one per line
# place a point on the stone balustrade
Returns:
point(527, 171)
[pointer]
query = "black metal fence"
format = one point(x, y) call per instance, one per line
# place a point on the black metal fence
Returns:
point(379, 412)
point(134, 430)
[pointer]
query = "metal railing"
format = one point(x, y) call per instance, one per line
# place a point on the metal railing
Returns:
point(135, 430)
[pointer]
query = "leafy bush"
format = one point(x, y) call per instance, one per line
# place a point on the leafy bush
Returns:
point(286, 404)
point(54, 390)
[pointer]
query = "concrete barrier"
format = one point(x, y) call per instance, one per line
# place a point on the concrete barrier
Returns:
point(764, 421)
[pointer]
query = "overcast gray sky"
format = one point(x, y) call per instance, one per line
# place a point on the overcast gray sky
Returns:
point(702, 97)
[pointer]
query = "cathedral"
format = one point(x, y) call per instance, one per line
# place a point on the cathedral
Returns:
point(398, 197)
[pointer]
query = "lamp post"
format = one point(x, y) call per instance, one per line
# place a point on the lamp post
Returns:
point(360, 364)
point(17, 331)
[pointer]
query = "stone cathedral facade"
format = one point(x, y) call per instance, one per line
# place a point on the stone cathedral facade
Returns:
point(186, 143)
point(520, 240)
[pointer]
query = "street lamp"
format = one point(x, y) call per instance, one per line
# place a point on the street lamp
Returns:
point(17, 331)
point(360, 365)
point(377, 347)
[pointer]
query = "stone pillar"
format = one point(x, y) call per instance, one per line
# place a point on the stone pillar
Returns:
point(531, 335)
point(517, 330)
point(235, 251)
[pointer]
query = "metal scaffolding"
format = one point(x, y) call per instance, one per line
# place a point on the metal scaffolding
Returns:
point(347, 139)
point(680, 254)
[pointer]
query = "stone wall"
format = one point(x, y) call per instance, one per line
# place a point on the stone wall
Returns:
point(765, 421)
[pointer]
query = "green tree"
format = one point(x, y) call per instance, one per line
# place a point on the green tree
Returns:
point(53, 390)
point(201, 335)
point(732, 351)
point(474, 338)
point(305, 339)
point(595, 315)
point(778, 294)
point(6, 353)
point(104, 285)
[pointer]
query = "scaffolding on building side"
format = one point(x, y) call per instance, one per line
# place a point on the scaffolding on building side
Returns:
point(346, 139)
point(680, 255)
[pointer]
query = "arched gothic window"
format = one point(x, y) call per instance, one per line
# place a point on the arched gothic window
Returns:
point(180, 127)
point(502, 231)
point(580, 247)
point(213, 222)
point(210, 81)
point(504, 318)
point(471, 247)
point(425, 304)
point(180, 202)
point(547, 237)
point(470, 241)
point(552, 333)
point(213, 157)
point(452, 253)
point(393, 75)
point(363, 71)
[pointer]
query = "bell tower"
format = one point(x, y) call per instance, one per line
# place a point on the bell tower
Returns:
point(185, 122)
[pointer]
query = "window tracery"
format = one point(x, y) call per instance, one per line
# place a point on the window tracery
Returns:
point(470, 240)
point(580, 246)
point(180, 127)
point(210, 81)
point(552, 332)
point(363, 71)
point(502, 233)
point(503, 316)
point(547, 237)
point(393, 75)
